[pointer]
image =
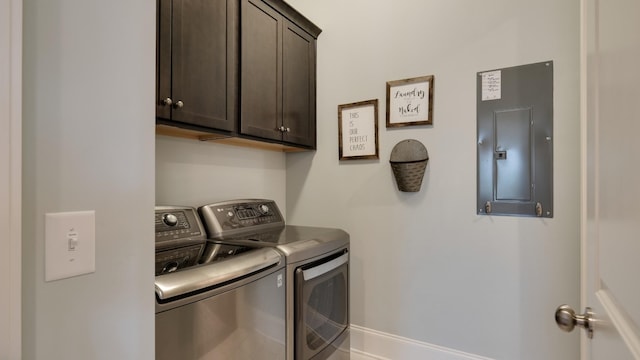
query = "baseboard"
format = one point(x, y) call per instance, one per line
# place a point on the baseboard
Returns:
point(359, 355)
point(377, 345)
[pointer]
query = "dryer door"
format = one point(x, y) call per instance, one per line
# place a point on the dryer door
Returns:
point(322, 304)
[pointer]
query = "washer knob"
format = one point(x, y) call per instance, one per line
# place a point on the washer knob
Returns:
point(170, 267)
point(170, 219)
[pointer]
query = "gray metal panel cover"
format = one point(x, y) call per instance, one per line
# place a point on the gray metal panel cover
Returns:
point(515, 149)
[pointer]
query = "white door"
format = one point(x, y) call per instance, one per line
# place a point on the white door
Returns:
point(611, 177)
point(10, 176)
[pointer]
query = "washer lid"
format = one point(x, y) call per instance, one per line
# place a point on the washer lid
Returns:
point(215, 274)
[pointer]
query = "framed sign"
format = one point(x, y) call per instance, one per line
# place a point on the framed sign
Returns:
point(358, 130)
point(410, 102)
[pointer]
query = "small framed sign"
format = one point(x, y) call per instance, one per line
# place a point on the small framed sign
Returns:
point(358, 130)
point(410, 102)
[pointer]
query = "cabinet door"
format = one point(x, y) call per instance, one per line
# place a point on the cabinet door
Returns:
point(261, 69)
point(203, 63)
point(299, 86)
point(163, 59)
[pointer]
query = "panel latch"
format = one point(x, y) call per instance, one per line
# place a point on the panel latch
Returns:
point(487, 207)
point(500, 155)
point(538, 209)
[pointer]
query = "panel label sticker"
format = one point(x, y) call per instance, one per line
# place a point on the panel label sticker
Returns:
point(492, 85)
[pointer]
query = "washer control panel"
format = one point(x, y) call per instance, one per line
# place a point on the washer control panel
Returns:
point(177, 223)
point(231, 217)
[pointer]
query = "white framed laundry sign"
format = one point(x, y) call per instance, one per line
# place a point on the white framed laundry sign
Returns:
point(410, 102)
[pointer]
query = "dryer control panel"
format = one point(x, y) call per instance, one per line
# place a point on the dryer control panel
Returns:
point(232, 217)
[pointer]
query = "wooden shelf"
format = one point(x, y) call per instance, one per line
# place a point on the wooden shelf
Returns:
point(173, 131)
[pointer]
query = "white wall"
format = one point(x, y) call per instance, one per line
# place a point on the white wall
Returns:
point(89, 145)
point(194, 173)
point(10, 177)
point(424, 265)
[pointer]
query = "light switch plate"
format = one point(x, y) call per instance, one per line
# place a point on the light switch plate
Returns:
point(69, 244)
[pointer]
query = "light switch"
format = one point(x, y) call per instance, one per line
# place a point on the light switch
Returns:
point(69, 244)
point(73, 242)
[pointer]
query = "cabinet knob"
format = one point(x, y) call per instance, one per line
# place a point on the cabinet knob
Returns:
point(167, 102)
point(287, 130)
point(178, 105)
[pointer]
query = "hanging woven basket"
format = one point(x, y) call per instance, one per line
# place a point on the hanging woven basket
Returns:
point(409, 161)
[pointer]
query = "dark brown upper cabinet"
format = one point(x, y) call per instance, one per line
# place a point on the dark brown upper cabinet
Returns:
point(197, 64)
point(278, 73)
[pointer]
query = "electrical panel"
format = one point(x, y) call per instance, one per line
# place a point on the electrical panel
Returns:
point(515, 141)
